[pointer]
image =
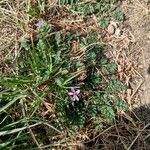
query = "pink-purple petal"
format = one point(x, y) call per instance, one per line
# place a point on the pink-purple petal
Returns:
point(76, 97)
point(40, 23)
point(77, 91)
point(74, 94)
point(73, 99)
point(70, 93)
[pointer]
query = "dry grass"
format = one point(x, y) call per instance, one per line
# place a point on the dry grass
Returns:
point(126, 134)
point(13, 26)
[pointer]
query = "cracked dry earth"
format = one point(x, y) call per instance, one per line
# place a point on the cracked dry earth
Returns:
point(138, 24)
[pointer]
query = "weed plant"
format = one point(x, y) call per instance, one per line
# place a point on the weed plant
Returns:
point(57, 88)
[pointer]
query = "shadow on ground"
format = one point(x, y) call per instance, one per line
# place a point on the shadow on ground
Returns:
point(143, 113)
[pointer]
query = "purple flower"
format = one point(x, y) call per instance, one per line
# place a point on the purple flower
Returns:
point(74, 94)
point(40, 24)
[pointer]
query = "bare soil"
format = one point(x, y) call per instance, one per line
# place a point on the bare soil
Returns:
point(138, 25)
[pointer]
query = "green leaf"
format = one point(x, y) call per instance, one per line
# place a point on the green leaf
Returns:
point(34, 11)
point(12, 81)
point(98, 125)
point(91, 56)
point(103, 61)
point(64, 71)
point(41, 45)
point(59, 81)
point(117, 102)
point(42, 53)
point(118, 15)
point(58, 38)
point(11, 103)
point(104, 22)
point(96, 78)
point(80, 65)
point(71, 78)
point(25, 45)
point(92, 111)
point(111, 68)
point(115, 86)
point(2, 133)
point(107, 112)
point(57, 57)
point(120, 105)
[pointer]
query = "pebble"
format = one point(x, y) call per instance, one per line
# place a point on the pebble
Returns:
point(111, 29)
point(114, 29)
point(114, 24)
point(118, 32)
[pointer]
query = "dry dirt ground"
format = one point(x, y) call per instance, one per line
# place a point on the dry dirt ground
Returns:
point(138, 25)
point(136, 28)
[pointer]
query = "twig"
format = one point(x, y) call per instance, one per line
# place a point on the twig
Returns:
point(138, 136)
point(99, 134)
point(147, 137)
point(120, 137)
point(136, 90)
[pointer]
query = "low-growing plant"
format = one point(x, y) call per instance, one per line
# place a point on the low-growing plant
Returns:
point(76, 85)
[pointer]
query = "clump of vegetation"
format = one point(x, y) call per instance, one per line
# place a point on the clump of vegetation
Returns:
point(62, 82)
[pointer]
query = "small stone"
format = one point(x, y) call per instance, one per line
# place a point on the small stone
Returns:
point(114, 24)
point(118, 32)
point(111, 29)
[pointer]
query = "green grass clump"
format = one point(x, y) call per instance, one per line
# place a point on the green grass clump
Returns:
point(48, 67)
